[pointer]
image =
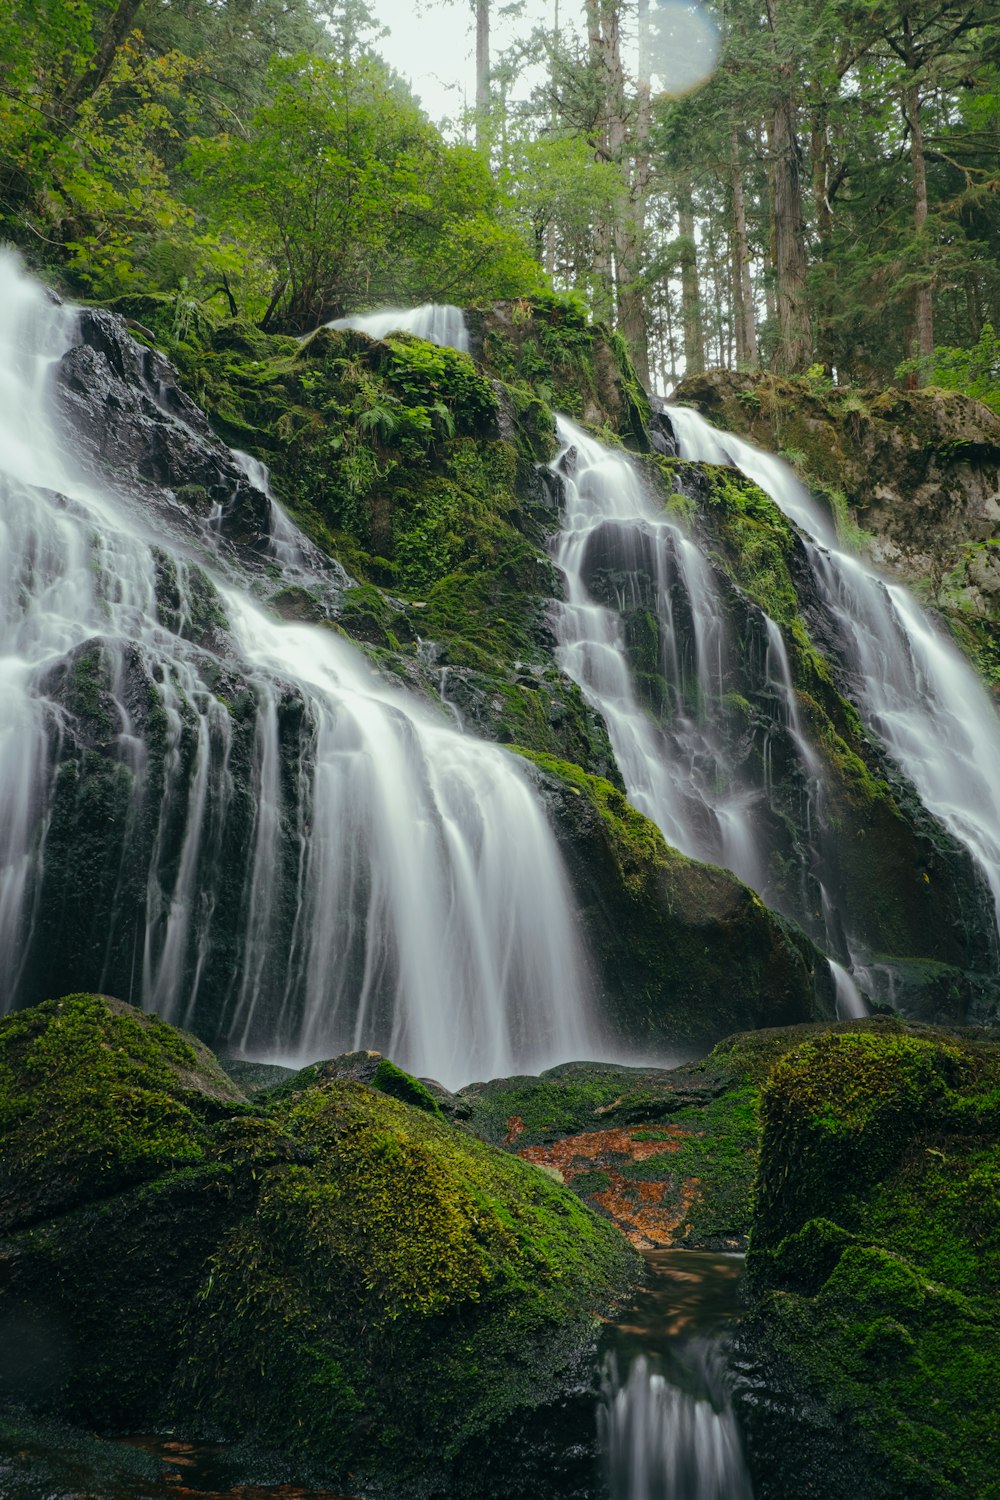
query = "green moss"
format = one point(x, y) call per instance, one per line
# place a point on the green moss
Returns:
point(331, 1271)
point(875, 1228)
point(389, 1079)
point(94, 1095)
point(720, 1155)
point(639, 848)
point(425, 1284)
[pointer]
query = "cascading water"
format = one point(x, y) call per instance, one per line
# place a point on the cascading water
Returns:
point(683, 764)
point(234, 820)
point(666, 1421)
point(614, 537)
point(914, 689)
point(437, 322)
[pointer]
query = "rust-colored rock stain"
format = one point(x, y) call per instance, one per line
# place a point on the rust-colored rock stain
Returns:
point(648, 1211)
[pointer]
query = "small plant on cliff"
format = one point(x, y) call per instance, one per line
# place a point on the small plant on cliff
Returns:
point(973, 372)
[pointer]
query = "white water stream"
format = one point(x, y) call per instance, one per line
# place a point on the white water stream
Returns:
point(397, 882)
point(666, 1420)
point(913, 687)
point(437, 322)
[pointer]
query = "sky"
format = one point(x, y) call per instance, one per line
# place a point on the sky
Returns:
point(434, 48)
point(432, 44)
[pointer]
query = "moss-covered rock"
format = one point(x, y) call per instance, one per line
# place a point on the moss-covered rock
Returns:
point(668, 1154)
point(95, 1096)
point(912, 477)
point(689, 954)
point(331, 1272)
point(874, 1266)
point(546, 346)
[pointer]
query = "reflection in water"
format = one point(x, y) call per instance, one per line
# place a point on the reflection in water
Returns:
point(666, 1420)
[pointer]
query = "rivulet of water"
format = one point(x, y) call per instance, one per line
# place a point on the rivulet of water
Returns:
point(683, 762)
point(666, 1420)
point(437, 322)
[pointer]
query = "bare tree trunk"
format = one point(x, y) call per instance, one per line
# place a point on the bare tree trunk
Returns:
point(482, 74)
point(794, 334)
point(743, 309)
point(694, 342)
point(923, 305)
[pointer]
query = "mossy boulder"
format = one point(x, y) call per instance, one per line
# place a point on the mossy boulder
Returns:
point(874, 1267)
point(96, 1096)
point(331, 1272)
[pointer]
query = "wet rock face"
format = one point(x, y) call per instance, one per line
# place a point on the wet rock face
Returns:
point(686, 953)
point(920, 470)
point(131, 420)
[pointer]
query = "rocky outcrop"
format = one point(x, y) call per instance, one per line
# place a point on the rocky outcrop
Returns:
point(337, 1274)
point(132, 421)
point(873, 1268)
point(689, 953)
point(918, 471)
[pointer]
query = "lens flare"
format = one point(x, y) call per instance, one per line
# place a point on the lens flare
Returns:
point(684, 45)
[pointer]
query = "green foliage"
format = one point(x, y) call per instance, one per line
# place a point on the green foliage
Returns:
point(352, 195)
point(972, 372)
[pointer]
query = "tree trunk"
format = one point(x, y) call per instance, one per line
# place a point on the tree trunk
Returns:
point(794, 334)
point(694, 344)
point(482, 74)
point(819, 157)
point(83, 88)
point(923, 306)
point(630, 246)
point(745, 324)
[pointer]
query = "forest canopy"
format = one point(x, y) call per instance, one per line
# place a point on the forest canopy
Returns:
point(827, 202)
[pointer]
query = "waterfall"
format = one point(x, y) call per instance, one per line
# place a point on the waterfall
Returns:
point(666, 1421)
point(437, 322)
point(613, 532)
point(235, 820)
point(914, 689)
point(622, 555)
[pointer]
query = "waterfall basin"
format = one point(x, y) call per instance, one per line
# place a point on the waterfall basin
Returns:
point(666, 1421)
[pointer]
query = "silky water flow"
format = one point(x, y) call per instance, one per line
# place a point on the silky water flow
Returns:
point(328, 864)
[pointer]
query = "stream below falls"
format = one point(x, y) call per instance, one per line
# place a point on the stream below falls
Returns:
point(666, 1420)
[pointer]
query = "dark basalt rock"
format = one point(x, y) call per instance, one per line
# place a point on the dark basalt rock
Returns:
point(661, 435)
point(131, 419)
